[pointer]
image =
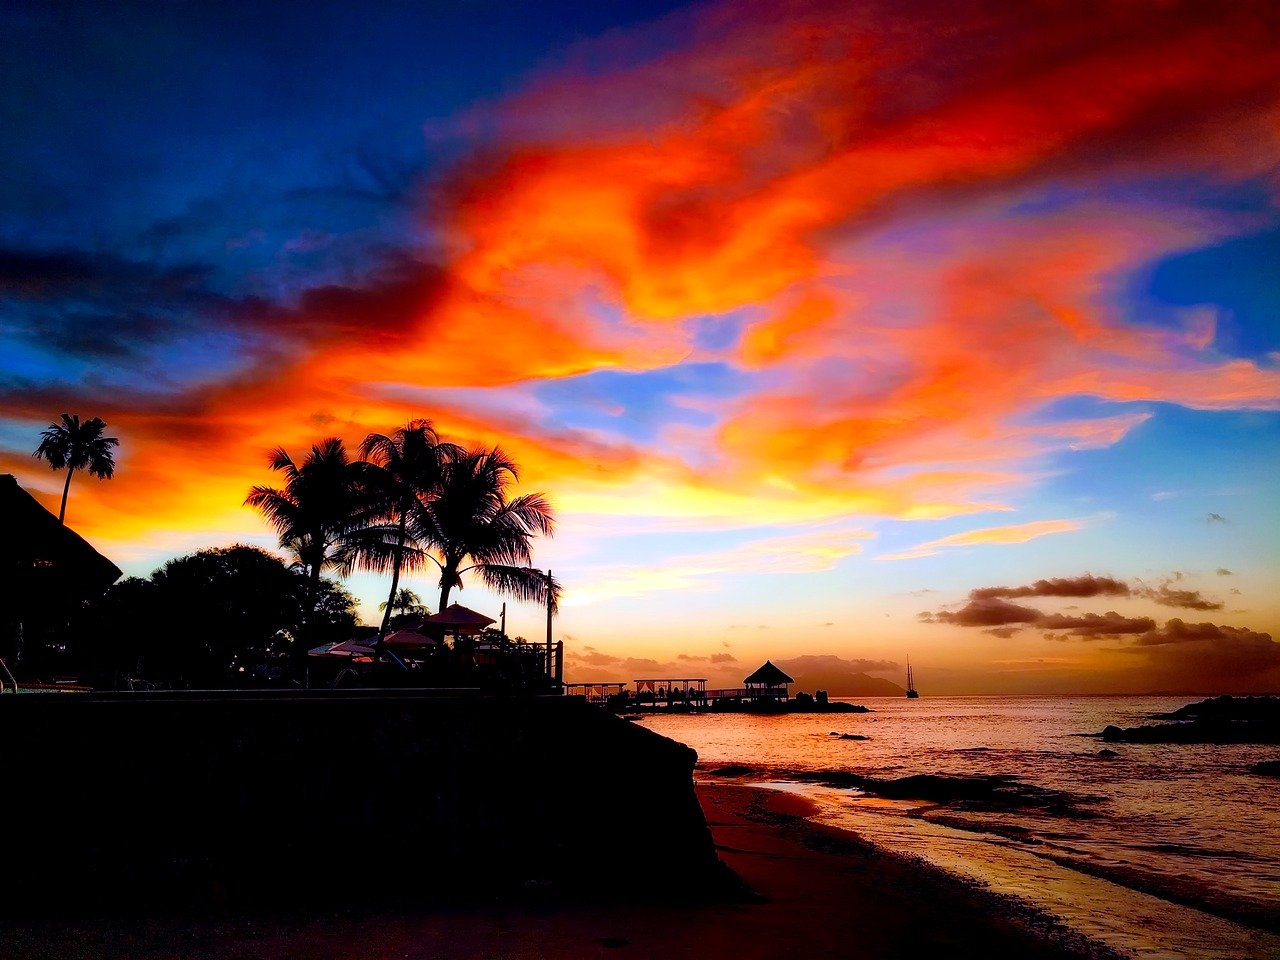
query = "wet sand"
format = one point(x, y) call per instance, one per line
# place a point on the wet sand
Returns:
point(819, 893)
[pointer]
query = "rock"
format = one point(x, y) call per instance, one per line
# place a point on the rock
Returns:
point(1267, 768)
point(733, 770)
point(1214, 730)
point(1105, 754)
point(851, 736)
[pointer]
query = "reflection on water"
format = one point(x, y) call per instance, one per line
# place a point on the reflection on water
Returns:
point(1187, 822)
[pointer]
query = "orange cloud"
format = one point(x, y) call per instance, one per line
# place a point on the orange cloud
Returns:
point(850, 183)
point(1014, 533)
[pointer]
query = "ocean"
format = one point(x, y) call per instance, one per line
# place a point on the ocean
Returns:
point(1162, 851)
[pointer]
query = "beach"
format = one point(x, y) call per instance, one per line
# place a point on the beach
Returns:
point(814, 892)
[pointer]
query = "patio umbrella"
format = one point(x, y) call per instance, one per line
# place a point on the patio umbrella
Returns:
point(409, 640)
point(345, 648)
point(458, 619)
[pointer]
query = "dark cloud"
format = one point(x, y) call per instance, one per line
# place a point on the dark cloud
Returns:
point(1082, 586)
point(984, 612)
point(98, 305)
point(1212, 657)
point(1215, 518)
point(95, 305)
point(979, 612)
point(1176, 631)
point(377, 312)
point(1003, 619)
point(1224, 572)
point(1098, 626)
point(709, 658)
point(1166, 596)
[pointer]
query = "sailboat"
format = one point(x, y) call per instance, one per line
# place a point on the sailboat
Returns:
point(912, 694)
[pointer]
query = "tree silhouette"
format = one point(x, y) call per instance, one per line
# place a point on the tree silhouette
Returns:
point(318, 512)
point(471, 519)
point(405, 603)
point(404, 473)
point(208, 619)
point(73, 445)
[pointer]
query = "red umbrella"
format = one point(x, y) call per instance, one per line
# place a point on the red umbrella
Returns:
point(409, 640)
point(458, 619)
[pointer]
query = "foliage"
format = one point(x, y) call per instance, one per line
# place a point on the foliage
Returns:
point(473, 526)
point(215, 618)
point(318, 513)
point(74, 445)
point(403, 473)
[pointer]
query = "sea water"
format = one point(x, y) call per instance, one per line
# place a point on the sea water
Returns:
point(1170, 850)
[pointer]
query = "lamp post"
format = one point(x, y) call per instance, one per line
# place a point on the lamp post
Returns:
point(550, 596)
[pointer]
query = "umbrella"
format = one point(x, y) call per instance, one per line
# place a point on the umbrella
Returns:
point(345, 648)
point(458, 619)
point(408, 639)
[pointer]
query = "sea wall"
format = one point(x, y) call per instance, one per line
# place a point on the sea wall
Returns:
point(107, 798)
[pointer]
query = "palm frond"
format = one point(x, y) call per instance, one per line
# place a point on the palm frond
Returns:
point(522, 583)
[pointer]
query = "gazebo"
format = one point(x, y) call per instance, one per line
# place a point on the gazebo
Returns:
point(767, 683)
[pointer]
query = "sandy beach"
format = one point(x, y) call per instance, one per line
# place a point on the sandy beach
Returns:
point(819, 893)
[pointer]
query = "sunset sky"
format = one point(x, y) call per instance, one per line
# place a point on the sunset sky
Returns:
point(819, 323)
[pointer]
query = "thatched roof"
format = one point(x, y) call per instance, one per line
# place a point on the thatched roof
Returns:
point(769, 675)
point(34, 543)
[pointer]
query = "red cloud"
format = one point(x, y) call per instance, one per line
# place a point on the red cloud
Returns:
point(843, 177)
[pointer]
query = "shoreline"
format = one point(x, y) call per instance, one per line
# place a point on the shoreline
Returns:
point(819, 892)
point(1245, 913)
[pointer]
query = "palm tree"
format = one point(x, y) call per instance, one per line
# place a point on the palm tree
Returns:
point(404, 472)
point(77, 446)
point(317, 512)
point(471, 519)
point(406, 602)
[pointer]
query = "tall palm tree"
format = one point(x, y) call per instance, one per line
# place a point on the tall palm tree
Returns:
point(403, 473)
point(475, 528)
point(317, 512)
point(77, 446)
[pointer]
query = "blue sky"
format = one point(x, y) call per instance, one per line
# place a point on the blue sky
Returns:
point(802, 316)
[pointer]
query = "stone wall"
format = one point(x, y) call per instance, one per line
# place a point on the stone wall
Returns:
point(184, 797)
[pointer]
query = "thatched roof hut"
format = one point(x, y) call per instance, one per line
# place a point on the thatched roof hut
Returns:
point(767, 683)
point(36, 550)
point(768, 675)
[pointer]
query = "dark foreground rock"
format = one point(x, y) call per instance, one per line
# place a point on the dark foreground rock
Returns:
point(136, 799)
point(1217, 720)
point(1224, 708)
point(1267, 768)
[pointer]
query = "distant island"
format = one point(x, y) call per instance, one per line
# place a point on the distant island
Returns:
point(838, 677)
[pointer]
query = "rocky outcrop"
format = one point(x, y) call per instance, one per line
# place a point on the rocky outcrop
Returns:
point(1218, 720)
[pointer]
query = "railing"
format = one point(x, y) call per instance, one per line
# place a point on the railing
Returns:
point(4, 666)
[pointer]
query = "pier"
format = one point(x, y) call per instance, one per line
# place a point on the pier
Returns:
point(768, 685)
